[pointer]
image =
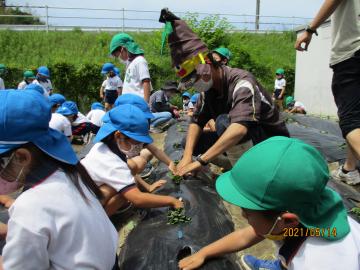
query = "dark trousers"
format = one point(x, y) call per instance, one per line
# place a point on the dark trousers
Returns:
point(346, 91)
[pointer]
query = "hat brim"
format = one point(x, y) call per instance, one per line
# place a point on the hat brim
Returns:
point(149, 115)
point(56, 145)
point(139, 138)
point(230, 192)
point(104, 131)
point(8, 147)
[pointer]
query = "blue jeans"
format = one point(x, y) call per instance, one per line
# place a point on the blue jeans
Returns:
point(160, 118)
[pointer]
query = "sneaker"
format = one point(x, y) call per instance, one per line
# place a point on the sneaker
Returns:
point(249, 262)
point(155, 130)
point(350, 178)
point(147, 171)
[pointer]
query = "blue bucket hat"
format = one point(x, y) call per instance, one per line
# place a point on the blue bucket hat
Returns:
point(64, 111)
point(71, 105)
point(97, 106)
point(136, 101)
point(56, 99)
point(129, 120)
point(186, 94)
point(38, 88)
point(194, 98)
point(107, 67)
point(24, 118)
point(44, 71)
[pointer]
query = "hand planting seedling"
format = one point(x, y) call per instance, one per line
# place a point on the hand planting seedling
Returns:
point(177, 216)
point(175, 178)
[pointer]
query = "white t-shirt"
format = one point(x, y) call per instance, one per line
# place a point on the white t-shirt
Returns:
point(60, 123)
point(46, 85)
point(345, 31)
point(318, 253)
point(280, 84)
point(52, 227)
point(80, 119)
point(22, 85)
point(112, 83)
point(2, 85)
point(299, 104)
point(136, 72)
point(95, 117)
point(105, 167)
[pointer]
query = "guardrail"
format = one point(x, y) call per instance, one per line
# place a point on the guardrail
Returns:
point(102, 19)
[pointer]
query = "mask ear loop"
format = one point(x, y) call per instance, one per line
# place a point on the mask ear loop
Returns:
point(19, 175)
point(273, 227)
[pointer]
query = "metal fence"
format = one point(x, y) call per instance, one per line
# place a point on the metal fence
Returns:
point(91, 19)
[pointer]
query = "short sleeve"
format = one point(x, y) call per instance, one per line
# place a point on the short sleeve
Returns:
point(104, 84)
point(245, 106)
point(143, 70)
point(107, 168)
point(67, 128)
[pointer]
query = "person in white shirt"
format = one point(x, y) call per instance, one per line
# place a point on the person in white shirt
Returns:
point(137, 77)
point(111, 87)
point(57, 222)
point(43, 79)
point(96, 114)
point(113, 160)
point(2, 72)
point(80, 124)
point(279, 88)
point(61, 123)
point(280, 185)
point(29, 77)
point(294, 106)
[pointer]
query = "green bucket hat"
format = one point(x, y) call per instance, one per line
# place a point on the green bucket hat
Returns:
point(224, 52)
point(2, 68)
point(280, 71)
point(286, 174)
point(134, 48)
point(288, 100)
point(120, 40)
point(28, 74)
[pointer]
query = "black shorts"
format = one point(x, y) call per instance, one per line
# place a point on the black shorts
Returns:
point(277, 93)
point(110, 96)
point(346, 91)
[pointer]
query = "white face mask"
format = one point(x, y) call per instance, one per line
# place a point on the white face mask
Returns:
point(134, 150)
point(202, 86)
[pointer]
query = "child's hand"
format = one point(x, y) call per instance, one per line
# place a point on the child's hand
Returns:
point(177, 204)
point(192, 262)
point(157, 185)
point(6, 200)
point(172, 167)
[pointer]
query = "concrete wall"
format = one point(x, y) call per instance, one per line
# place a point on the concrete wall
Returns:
point(313, 75)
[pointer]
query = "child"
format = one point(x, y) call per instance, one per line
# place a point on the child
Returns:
point(57, 222)
point(2, 72)
point(43, 79)
point(293, 106)
point(56, 101)
point(80, 124)
point(60, 122)
point(150, 149)
point(137, 76)
point(187, 105)
point(280, 84)
point(280, 184)
point(221, 55)
point(96, 114)
point(29, 77)
point(111, 87)
point(161, 108)
point(112, 161)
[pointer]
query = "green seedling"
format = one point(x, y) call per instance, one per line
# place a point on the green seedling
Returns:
point(176, 162)
point(181, 129)
point(343, 146)
point(356, 211)
point(177, 145)
point(323, 132)
point(177, 216)
point(175, 178)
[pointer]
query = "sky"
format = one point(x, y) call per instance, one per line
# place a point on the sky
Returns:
point(305, 9)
